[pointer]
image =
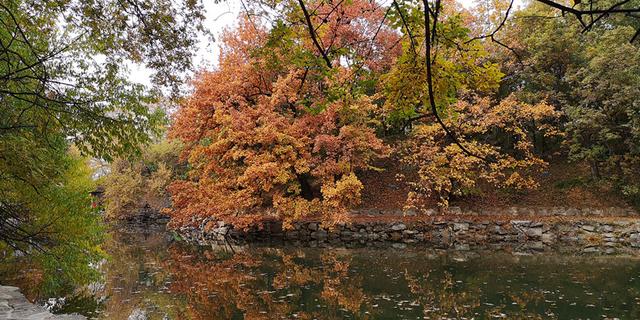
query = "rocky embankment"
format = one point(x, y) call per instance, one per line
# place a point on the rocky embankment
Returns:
point(593, 231)
point(14, 306)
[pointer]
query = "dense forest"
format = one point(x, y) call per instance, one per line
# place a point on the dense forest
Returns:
point(309, 102)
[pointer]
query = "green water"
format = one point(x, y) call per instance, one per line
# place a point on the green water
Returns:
point(147, 274)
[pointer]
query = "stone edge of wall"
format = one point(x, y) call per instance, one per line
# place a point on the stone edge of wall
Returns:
point(589, 233)
point(537, 211)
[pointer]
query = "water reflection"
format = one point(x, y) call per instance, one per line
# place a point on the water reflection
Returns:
point(148, 275)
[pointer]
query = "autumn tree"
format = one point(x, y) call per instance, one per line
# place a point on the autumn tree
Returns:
point(444, 97)
point(499, 136)
point(460, 64)
point(281, 128)
point(590, 75)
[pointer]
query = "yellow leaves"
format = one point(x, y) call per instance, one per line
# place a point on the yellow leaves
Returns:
point(517, 181)
point(122, 190)
point(444, 170)
point(159, 180)
point(135, 184)
point(301, 166)
point(345, 192)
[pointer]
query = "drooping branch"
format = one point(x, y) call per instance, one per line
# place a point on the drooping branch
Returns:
point(594, 21)
point(314, 36)
point(13, 233)
point(432, 101)
point(578, 13)
point(406, 26)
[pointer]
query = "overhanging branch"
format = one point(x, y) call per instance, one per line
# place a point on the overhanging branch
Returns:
point(434, 109)
point(313, 34)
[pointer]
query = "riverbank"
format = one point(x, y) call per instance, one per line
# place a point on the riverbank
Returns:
point(14, 306)
point(596, 230)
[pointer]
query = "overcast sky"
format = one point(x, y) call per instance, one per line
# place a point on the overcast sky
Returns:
point(218, 17)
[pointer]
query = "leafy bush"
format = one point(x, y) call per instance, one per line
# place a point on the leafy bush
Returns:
point(136, 183)
point(444, 170)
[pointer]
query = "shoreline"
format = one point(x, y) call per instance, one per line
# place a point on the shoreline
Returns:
point(14, 305)
point(601, 232)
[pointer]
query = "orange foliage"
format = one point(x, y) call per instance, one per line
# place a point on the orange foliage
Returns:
point(236, 285)
point(267, 138)
point(352, 25)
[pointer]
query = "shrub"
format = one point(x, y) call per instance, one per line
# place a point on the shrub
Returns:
point(136, 183)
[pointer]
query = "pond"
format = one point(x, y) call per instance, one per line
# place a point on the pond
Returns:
point(150, 277)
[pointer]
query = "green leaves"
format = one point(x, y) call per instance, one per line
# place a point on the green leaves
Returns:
point(52, 83)
point(55, 213)
point(594, 78)
point(459, 66)
point(63, 85)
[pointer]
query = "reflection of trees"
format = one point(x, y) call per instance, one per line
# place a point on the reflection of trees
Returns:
point(133, 278)
point(179, 282)
point(26, 274)
point(442, 297)
point(266, 283)
point(212, 288)
point(281, 283)
point(339, 292)
point(271, 285)
point(439, 299)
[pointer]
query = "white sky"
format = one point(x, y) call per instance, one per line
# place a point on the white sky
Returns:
point(218, 17)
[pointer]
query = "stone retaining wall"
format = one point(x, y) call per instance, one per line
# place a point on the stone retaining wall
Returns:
point(461, 232)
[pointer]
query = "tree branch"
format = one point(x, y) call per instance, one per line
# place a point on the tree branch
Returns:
point(406, 26)
point(434, 109)
point(579, 12)
point(313, 35)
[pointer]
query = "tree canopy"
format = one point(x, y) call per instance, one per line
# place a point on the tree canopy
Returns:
point(310, 94)
point(65, 95)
